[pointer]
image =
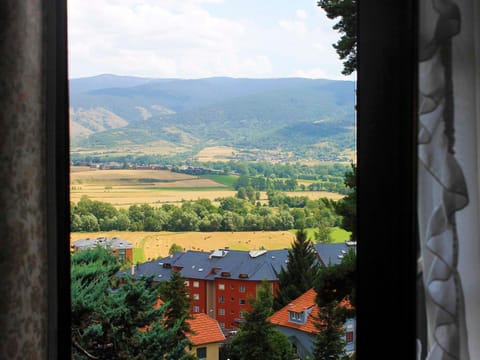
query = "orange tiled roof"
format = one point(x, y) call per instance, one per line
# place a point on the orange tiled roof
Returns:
point(206, 330)
point(303, 302)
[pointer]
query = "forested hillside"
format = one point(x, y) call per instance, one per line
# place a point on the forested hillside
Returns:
point(308, 117)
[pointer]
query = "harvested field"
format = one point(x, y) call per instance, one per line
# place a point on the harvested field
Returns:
point(216, 153)
point(125, 176)
point(124, 196)
point(314, 195)
point(125, 187)
point(157, 244)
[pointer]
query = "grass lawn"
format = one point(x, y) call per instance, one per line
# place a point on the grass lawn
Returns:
point(138, 255)
point(227, 180)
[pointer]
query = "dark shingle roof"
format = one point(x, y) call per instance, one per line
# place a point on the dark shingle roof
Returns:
point(233, 264)
point(331, 254)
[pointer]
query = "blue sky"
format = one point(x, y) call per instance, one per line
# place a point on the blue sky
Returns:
point(202, 38)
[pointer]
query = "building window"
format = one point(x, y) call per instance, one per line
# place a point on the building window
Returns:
point(232, 286)
point(221, 299)
point(187, 283)
point(232, 299)
point(349, 337)
point(222, 325)
point(221, 286)
point(241, 301)
point(202, 353)
point(221, 311)
point(296, 316)
point(196, 284)
point(122, 255)
point(196, 309)
point(242, 314)
point(241, 288)
point(196, 296)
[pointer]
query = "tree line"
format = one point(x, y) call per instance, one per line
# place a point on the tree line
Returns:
point(235, 213)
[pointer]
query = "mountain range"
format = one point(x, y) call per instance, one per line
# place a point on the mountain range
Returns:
point(306, 117)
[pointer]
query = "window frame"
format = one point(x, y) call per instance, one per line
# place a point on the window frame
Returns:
point(386, 98)
point(58, 175)
point(387, 164)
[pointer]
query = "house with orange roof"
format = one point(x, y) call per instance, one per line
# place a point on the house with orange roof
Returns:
point(206, 337)
point(296, 321)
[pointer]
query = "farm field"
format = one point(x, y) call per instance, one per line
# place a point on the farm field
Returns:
point(216, 153)
point(157, 244)
point(123, 188)
point(151, 245)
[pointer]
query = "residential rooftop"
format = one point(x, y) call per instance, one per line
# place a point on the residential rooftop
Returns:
point(113, 243)
point(205, 330)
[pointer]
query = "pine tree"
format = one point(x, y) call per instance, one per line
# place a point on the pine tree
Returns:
point(336, 284)
point(301, 271)
point(329, 343)
point(347, 206)
point(258, 338)
point(116, 322)
point(346, 47)
point(176, 296)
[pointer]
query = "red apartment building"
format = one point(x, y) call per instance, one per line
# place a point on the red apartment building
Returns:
point(221, 282)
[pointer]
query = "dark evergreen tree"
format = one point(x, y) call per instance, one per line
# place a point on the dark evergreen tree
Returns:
point(336, 300)
point(347, 206)
point(258, 338)
point(116, 322)
point(329, 342)
point(176, 296)
point(300, 273)
point(346, 47)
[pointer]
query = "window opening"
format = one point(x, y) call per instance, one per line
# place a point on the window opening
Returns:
point(260, 132)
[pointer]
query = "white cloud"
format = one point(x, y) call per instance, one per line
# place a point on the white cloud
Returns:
point(172, 38)
point(302, 14)
point(293, 26)
point(144, 38)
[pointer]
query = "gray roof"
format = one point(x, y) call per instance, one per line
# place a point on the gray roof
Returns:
point(332, 254)
point(112, 243)
point(232, 264)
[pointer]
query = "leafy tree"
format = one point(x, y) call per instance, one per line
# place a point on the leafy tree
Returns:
point(175, 248)
point(89, 223)
point(347, 206)
point(299, 276)
point(346, 47)
point(335, 284)
point(116, 322)
point(258, 338)
point(323, 235)
point(243, 181)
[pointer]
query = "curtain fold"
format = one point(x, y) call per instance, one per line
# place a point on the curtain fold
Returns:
point(447, 178)
point(23, 255)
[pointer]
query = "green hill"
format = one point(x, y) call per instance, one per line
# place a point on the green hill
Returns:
point(297, 115)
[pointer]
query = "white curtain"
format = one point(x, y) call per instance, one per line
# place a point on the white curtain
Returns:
point(449, 218)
